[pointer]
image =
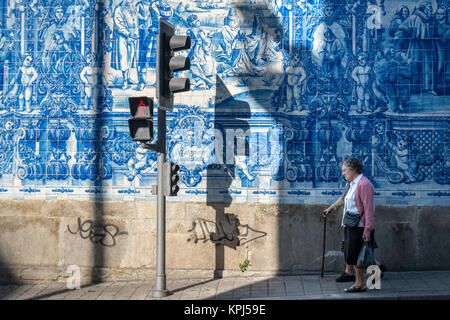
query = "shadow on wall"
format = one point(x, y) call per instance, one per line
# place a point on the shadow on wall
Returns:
point(98, 249)
point(7, 276)
point(220, 175)
point(299, 243)
point(94, 167)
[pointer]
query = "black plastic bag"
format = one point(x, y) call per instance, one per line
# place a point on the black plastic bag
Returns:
point(366, 257)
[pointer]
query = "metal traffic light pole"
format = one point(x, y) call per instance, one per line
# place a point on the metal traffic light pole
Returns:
point(141, 130)
point(160, 148)
point(160, 289)
point(161, 64)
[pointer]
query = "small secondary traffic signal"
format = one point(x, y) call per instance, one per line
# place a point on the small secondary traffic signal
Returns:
point(171, 179)
point(141, 121)
point(167, 64)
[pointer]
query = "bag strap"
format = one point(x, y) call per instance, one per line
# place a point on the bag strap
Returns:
point(344, 193)
point(360, 217)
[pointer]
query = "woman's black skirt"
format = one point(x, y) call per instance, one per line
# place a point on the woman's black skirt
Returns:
point(353, 242)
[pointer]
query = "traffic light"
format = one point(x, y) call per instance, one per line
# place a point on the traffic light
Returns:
point(167, 64)
point(171, 179)
point(141, 121)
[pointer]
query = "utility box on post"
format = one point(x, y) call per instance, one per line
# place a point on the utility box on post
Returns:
point(171, 178)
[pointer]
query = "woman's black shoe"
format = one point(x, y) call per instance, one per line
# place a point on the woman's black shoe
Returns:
point(345, 277)
point(355, 289)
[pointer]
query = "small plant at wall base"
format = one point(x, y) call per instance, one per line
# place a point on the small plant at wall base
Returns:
point(244, 265)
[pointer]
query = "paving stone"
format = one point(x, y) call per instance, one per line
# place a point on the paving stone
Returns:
point(395, 285)
point(189, 295)
point(294, 286)
point(260, 285)
point(328, 284)
point(207, 293)
point(445, 278)
point(126, 292)
point(76, 294)
point(399, 284)
point(277, 293)
point(245, 284)
point(225, 286)
point(111, 292)
point(386, 284)
point(311, 285)
point(94, 292)
point(417, 283)
point(435, 283)
point(35, 290)
point(52, 290)
point(8, 290)
point(171, 296)
point(242, 294)
point(142, 291)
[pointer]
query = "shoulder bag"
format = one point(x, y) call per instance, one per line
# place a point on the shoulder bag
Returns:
point(351, 219)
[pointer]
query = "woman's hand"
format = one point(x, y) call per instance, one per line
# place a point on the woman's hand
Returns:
point(366, 237)
point(326, 211)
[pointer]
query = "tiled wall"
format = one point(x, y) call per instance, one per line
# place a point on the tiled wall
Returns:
point(281, 92)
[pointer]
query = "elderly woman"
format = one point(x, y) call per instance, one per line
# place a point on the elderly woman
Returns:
point(358, 197)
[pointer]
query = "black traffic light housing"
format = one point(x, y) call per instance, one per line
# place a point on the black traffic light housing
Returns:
point(167, 64)
point(141, 121)
point(171, 178)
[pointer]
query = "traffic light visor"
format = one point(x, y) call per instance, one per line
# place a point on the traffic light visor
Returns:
point(177, 43)
point(179, 63)
point(141, 129)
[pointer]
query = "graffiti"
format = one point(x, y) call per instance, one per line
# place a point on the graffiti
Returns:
point(227, 231)
point(104, 234)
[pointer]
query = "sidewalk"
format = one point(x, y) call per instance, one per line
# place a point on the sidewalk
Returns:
point(394, 285)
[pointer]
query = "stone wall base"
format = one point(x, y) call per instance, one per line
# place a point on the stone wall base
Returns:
point(116, 240)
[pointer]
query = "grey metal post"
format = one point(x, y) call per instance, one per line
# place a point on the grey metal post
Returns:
point(160, 288)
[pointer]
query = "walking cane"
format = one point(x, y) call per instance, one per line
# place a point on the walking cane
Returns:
point(324, 239)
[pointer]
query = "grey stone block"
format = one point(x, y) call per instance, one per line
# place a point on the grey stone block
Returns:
point(433, 235)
